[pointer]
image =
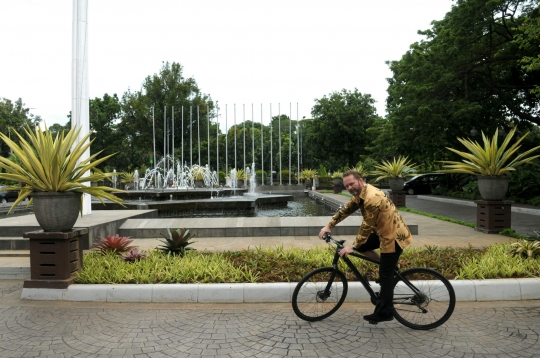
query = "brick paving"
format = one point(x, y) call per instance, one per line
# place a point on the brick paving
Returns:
point(67, 329)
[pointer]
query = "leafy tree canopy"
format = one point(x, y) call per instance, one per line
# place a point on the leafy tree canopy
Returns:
point(470, 72)
point(14, 115)
point(338, 127)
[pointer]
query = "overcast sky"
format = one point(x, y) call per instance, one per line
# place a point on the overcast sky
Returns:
point(239, 52)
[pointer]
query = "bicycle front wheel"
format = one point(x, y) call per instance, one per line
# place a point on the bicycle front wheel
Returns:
point(319, 294)
point(427, 303)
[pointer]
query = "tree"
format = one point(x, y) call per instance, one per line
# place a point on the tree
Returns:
point(105, 115)
point(338, 127)
point(466, 74)
point(153, 104)
point(14, 115)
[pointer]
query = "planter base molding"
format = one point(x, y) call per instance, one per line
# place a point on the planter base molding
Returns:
point(493, 216)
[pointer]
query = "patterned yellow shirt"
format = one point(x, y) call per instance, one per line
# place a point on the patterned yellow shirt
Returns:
point(379, 215)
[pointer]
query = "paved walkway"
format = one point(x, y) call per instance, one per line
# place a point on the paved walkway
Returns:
point(68, 329)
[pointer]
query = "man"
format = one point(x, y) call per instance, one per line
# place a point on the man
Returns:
point(382, 227)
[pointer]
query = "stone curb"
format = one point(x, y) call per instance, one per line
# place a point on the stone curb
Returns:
point(466, 290)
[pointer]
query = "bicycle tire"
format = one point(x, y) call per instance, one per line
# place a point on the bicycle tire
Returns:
point(308, 302)
point(429, 308)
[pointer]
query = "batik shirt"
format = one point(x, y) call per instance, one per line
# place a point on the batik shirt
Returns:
point(379, 215)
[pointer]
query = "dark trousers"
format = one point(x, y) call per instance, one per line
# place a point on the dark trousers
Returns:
point(386, 280)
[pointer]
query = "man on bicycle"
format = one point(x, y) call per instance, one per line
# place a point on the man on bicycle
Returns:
point(382, 227)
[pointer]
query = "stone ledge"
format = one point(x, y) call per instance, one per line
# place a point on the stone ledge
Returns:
point(281, 292)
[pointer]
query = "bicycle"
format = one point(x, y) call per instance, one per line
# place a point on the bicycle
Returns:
point(423, 298)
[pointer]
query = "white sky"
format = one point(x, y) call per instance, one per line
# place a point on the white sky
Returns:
point(239, 52)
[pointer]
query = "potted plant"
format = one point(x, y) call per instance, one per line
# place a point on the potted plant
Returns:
point(362, 170)
point(128, 178)
point(308, 175)
point(337, 177)
point(241, 178)
point(395, 171)
point(51, 173)
point(198, 177)
point(490, 163)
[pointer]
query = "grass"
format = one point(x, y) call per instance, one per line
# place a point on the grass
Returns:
point(439, 217)
point(277, 264)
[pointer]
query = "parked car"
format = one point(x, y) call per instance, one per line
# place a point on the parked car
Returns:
point(9, 195)
point(423, 183)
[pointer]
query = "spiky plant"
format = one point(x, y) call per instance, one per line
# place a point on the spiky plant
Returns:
point(525, 248)
point(177, 241)
point(337, 174)
point(489, 160)
point(114, 243)
point(397, 168)
point(48, 162)
point(134, 255)
point(360, 169)
point(127, 177)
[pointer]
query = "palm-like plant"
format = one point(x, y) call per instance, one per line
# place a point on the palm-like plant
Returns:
point(308, 174)
point(337, 174)
point(241, 174)
point(397, 168)
point(360, 169)
point(47, 164)
point(489, 159)
point(127, 177)
point(177, 241)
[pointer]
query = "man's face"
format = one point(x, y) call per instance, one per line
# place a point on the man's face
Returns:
point(353, 185)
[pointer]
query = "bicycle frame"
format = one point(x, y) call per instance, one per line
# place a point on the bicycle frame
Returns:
point(363, 280)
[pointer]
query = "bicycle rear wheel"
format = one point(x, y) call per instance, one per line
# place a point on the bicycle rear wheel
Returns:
point(427, 306)
point(317, 296)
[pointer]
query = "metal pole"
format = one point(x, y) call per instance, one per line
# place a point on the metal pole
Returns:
point(199, 136)
point(226, 143)
point(217, 140)
point(298, 142)
point(271, 159)
point(244, 120)
point(164, 140)
point(182, 136)
point(173, 136)
point(279, 142)
point(235, 167)
point(290, 141)
point(262, 147)
point(208, 134)
point(252, 135)
point(154, 131)
point(190, 136)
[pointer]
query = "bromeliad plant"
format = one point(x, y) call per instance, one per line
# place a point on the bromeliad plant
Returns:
point(177, 242)
point(134, 255)
point(113, 243)
point(398, 168)
point(489, 159)
point(52, 163)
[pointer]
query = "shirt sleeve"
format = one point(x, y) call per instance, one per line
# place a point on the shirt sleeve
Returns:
point(344, 212)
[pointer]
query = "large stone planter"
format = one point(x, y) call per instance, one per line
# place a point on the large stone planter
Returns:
point(493, 187)
point(56, 211)
point(396, 184)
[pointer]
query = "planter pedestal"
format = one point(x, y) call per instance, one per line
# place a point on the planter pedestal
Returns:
point(493, 216)
point(54, 258)
point(398, 198)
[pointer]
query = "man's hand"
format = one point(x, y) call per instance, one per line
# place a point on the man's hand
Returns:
point(323, 231)
point(345, 251)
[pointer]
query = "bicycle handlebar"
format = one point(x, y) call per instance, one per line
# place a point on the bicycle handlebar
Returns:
point(327, 237)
